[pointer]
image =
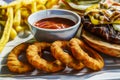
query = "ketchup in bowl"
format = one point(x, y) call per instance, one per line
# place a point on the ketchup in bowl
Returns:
point(54, 23)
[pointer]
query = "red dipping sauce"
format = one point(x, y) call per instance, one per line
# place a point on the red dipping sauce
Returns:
point(54, 23)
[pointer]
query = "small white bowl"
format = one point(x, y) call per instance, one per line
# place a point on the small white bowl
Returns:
point(51, 35)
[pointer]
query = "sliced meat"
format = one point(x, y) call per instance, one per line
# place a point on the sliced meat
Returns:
point(105, 31)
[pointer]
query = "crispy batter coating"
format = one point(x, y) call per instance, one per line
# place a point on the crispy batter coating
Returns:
point(14, 64)
point(74, 53)
point(64, 57)
point(38, 62)
point(88, 56)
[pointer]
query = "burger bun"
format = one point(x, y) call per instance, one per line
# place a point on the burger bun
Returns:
point(101, 45)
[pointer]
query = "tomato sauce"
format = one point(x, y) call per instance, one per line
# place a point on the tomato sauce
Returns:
point(54, 23)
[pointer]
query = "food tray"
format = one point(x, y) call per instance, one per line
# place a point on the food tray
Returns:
point(111, 69)
point(112, 65)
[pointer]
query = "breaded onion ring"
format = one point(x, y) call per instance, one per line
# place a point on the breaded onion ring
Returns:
point(14, 64)
point(38, 62)
point(86, 55)
point(64, 57)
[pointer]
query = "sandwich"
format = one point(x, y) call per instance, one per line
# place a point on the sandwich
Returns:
point(101, 28)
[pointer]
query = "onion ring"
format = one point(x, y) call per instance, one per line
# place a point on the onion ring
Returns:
point(14, 64)
point(38, 62)
point(80, 50)
point(64, 57)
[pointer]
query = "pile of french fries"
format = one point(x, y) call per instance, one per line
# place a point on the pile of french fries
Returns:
point(13, 16)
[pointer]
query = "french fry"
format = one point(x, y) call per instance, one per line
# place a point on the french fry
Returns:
point(42, 1)
point(3, 12)
point(6, 33)
point(18, 6)
point(19, 28)
point(41, 7)
point(13, 16)
point(25, 12)
point(27, 3)
point(17, 18)
point(13, 34)
point(50, 3)
point(2, 23)
point(33, 7)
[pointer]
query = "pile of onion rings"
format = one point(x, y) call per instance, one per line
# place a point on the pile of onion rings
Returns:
point(74, 54)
